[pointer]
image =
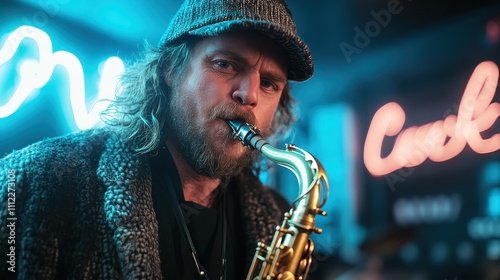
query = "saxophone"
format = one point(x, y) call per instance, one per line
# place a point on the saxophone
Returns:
point(290, 254)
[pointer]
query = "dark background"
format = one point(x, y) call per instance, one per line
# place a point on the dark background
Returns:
point(432, 221)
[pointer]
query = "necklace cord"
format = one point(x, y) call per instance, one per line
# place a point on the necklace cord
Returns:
point(185, 232)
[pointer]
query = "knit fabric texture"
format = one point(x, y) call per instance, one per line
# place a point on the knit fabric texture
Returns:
point(84, 210)
point(271, 17)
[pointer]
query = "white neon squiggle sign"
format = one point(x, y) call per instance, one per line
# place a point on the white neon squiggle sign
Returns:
point(35, 74)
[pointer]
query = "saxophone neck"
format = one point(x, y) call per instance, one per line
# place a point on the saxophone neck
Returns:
point(305, 167)
point(250, 137)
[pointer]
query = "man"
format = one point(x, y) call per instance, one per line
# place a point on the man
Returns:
point(162, 190)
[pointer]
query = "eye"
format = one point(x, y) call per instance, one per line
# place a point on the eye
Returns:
point(267, 84)
point(224, 65)
point(271, 86)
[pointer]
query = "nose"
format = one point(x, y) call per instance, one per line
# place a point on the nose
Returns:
point(247, 89)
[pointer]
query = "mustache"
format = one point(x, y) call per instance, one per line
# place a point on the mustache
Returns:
point(231, 112)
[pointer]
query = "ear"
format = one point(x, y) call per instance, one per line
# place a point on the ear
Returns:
point(167, 76)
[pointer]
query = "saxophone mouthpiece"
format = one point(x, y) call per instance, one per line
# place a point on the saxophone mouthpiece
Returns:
point(235, 125)
point(245, 132)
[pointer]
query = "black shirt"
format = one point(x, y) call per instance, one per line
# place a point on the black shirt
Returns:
point(205, 227)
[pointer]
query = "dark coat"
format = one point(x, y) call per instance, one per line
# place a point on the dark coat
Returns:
point(81, 207)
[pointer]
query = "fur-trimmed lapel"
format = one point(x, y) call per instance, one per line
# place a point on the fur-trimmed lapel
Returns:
point(129, 210)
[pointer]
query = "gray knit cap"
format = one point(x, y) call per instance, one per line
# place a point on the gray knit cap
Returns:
point(271, 17)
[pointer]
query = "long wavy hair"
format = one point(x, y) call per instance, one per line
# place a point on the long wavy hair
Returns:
point(138, 114)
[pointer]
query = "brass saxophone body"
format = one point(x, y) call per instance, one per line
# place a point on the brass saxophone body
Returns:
point(289, 256)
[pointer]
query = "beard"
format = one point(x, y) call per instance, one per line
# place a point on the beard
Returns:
point(209, 147)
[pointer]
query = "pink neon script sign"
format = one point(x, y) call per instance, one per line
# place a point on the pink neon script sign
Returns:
point(440, 140)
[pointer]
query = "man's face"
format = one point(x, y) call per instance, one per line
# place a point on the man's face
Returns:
point(234, 75)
